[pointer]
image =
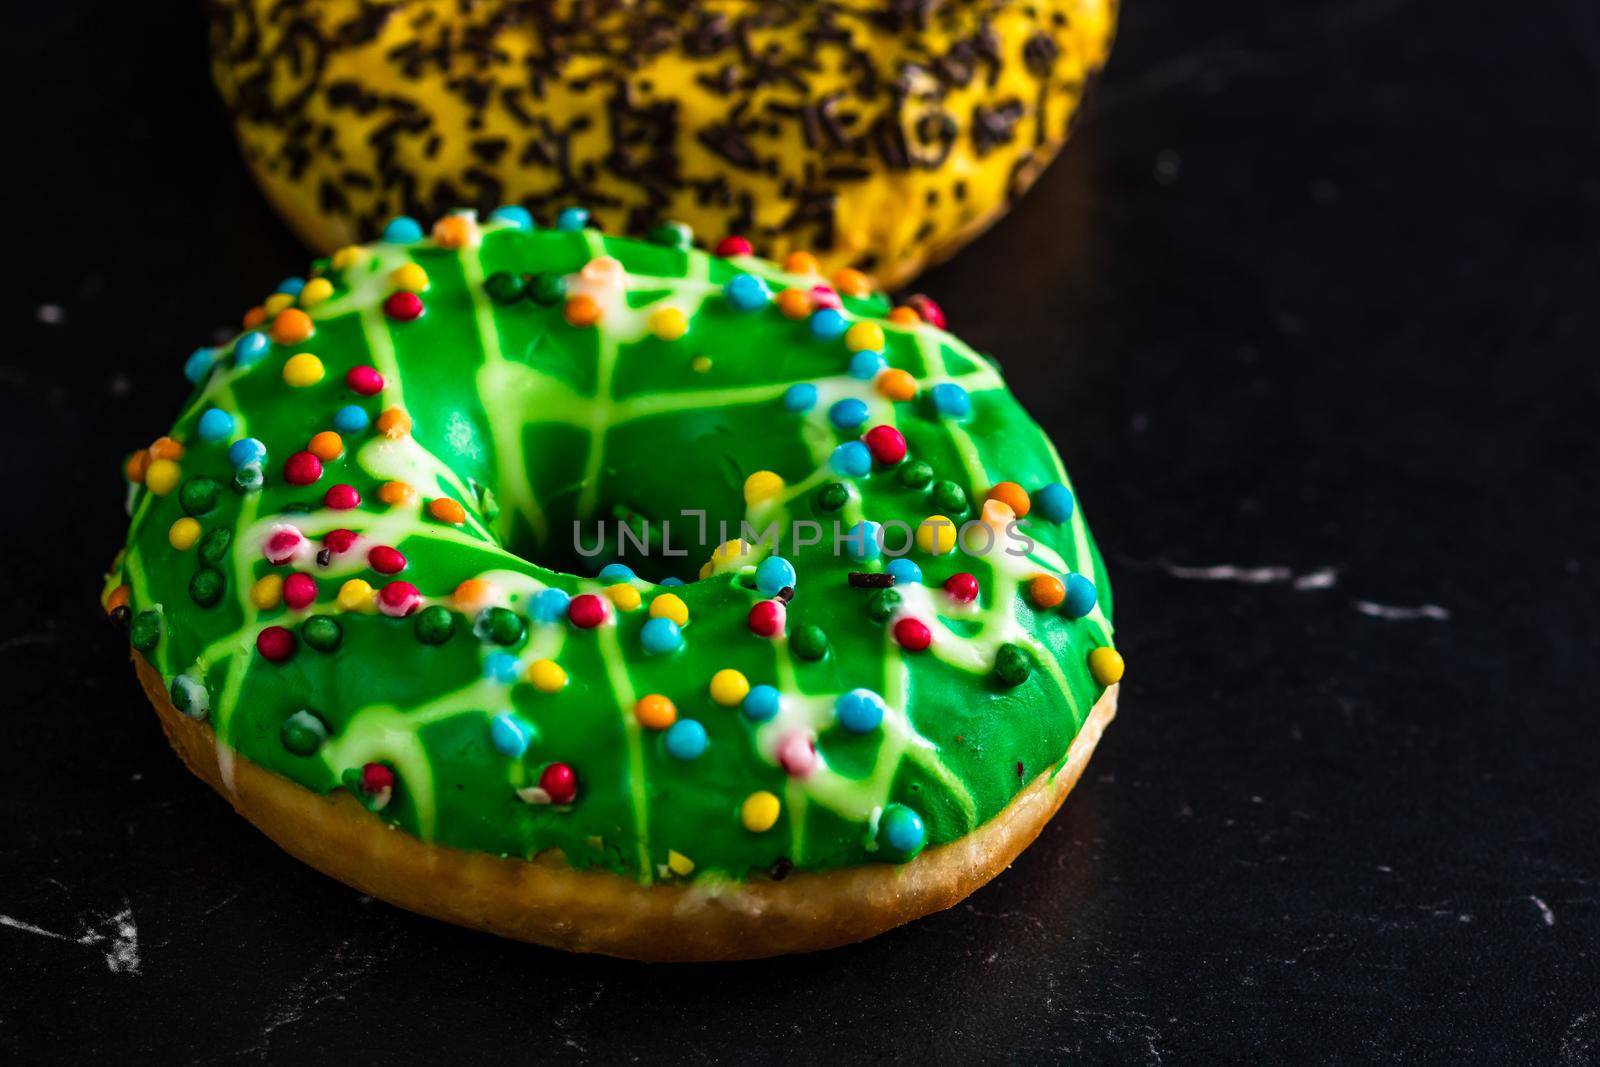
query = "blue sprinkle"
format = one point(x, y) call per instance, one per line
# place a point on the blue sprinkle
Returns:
point(774, 574)
point(950, 400)
point(860, 711)
point(250, 348)
point(351, 418)
point(291, 286)
point(1080, 597)
point(199, 364)
point(904, 571)
point(901, 828)
point(245, 451)
point(866, 365)
point(852, 459)
point(572, 219)
point(748, 293)
point(612, 573)
point(660, 636)
point(402, 230)
point(1053, 503)
point(827, 324)
point(862, 541)
point(515, 214)
point(848, 413)
point(215, 425)
point(761, 704)
point(509, 734)
point(686, 739)
point(502, 667)
point(667, 583)
point(550, 605)
point(798, 398)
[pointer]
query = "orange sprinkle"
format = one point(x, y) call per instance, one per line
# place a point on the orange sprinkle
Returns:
point(393, 493)
point(135, 467)
point(1046, 590)
point(904, 316)
point(794, 303)
point(455, 231)
point(471, 594)
point(896, 384)
point(582, 310)
point(255, 317)
point(446, 510)
point(655, 712)
point(394, 423)
point(851, 282)
point(801, 263)
point(291, 326)
point(118, 598)
point(326, 446)
point(165, 448)
point(1013, 496)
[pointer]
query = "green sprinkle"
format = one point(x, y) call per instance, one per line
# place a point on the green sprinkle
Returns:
point(832, 497)
point(949, 497)
point(915, 475)
point(214, 545)
point(206, 587)
point(882, 604)
point(809, 641)
point(547, 288)
point(500, 625)
point(322, 632)
point(303, 733)
point(1012, 665)
point(435, 625)
point(249, 479)
point(504, 287)
point(198, 495)
point(189, 695)
point(672, 235)
point(145, 633)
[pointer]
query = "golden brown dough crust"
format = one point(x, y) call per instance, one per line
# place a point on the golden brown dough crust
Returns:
point(551, 904)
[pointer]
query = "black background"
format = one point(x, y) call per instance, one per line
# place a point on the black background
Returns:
point(1316, 286)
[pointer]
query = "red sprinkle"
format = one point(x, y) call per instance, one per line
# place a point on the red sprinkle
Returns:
point(398, 599)
point(299, 591)
point(364, 380)
point(733, 246)
point(823, 296)
point(341, 497)
point(302, 468)
point(282, 544)
point(386, 560)
point(912, 634)
point(586, 611)
point(375, 778)
point(403, 306)
point(560, 782)
point(963, 587)
point(338, 540)
point(931, 313)
point(887, 444)
point(275, 643)
point(767, 618)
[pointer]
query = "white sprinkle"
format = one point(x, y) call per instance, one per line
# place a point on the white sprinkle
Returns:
point(50, 314)
point(1390, 613)
point(1544, 910)
point(1321, 578)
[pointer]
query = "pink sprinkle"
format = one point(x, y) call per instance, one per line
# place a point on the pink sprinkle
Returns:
point(283, 543)
point(887, 444)
point(364, 380)
point(931, 313)
point(386, 560)
point(341, 497)
point(797, 753)
point(403, 306)
point(767, 618)
point(302, 468)
point(398, 599)
point(275, 644)
point(733, 246)
point(823, 296)
point(586, 611)
point(299, 591)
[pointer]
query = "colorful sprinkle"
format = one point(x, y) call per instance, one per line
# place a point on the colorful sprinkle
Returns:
point(302, 468)
point(1080, 596)
point(896, 384)
point(250, 348)
point(851, 459)
point(215, 425)
point(860, 711)
point(729, 687)
point(351, 419)
point(509, 735)
point(355, 595)
point(768, 618)
point(547, 676)
point(1054, 502)
point(581, 311)
point(733, 245)
point(587, 611)
point(183, 534)
point(1105, 665)
point(447, 511)
point(364, 380)
point(809, 641)
point(403, 306)
point(572, 219)
point(402, 230)
point(686, 740)
point(670, 606)
point(912, 635)
point(774, 574)
point(762, 703)
point(828, 324)
point(904, 571)
point(303, 733)
point(900, 830)
point(299, 591)
point(748, 292)
point(950, 400)
point(276, 643)
point(394, 423)
point(800, 398)
point(161, 476)
point(660, 636)
point(514, 215)
point(245, 451)
point(655, 712)
point(759, 812)
point(399, 599)
point(1012, 665)
point(560, 783)
point(669, 323)
point(1046, 591)
point(410, 277)
point(936, 535)
point(866, 365)
point(551, 605)
point(290, 326)
point(796, 752)
point(887, 445)
point(1012, 496)
point(848, 413)
point(326, 445)
point(435, 625)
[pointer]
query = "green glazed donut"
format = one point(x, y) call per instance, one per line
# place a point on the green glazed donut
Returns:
point(618, 556)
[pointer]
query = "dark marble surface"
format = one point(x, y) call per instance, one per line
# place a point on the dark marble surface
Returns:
point(1315, 294)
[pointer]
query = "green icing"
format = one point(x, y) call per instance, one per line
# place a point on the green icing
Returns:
point(555, 423)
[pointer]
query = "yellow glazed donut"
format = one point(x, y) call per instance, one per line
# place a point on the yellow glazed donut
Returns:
point(880, 136)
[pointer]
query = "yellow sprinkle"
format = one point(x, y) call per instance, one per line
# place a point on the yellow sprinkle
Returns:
point(762, 485)
point(759, 812)
point(705, 569)
point(1105, 665)
point(679, 864)
point(728, 687)
point(547, 676)
point(183, 534)
point(347, 257)
point(276, 303)
point(624, 596)
point(303, 370)
point(728, 555)
point(669, 323)
point(410, 277)
point(356, 595)
point(670, 606)
point(316, 291)
point(267, 593)
point(936, 535)
point(701, 364)
point(161, 477)
point(864, 337)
